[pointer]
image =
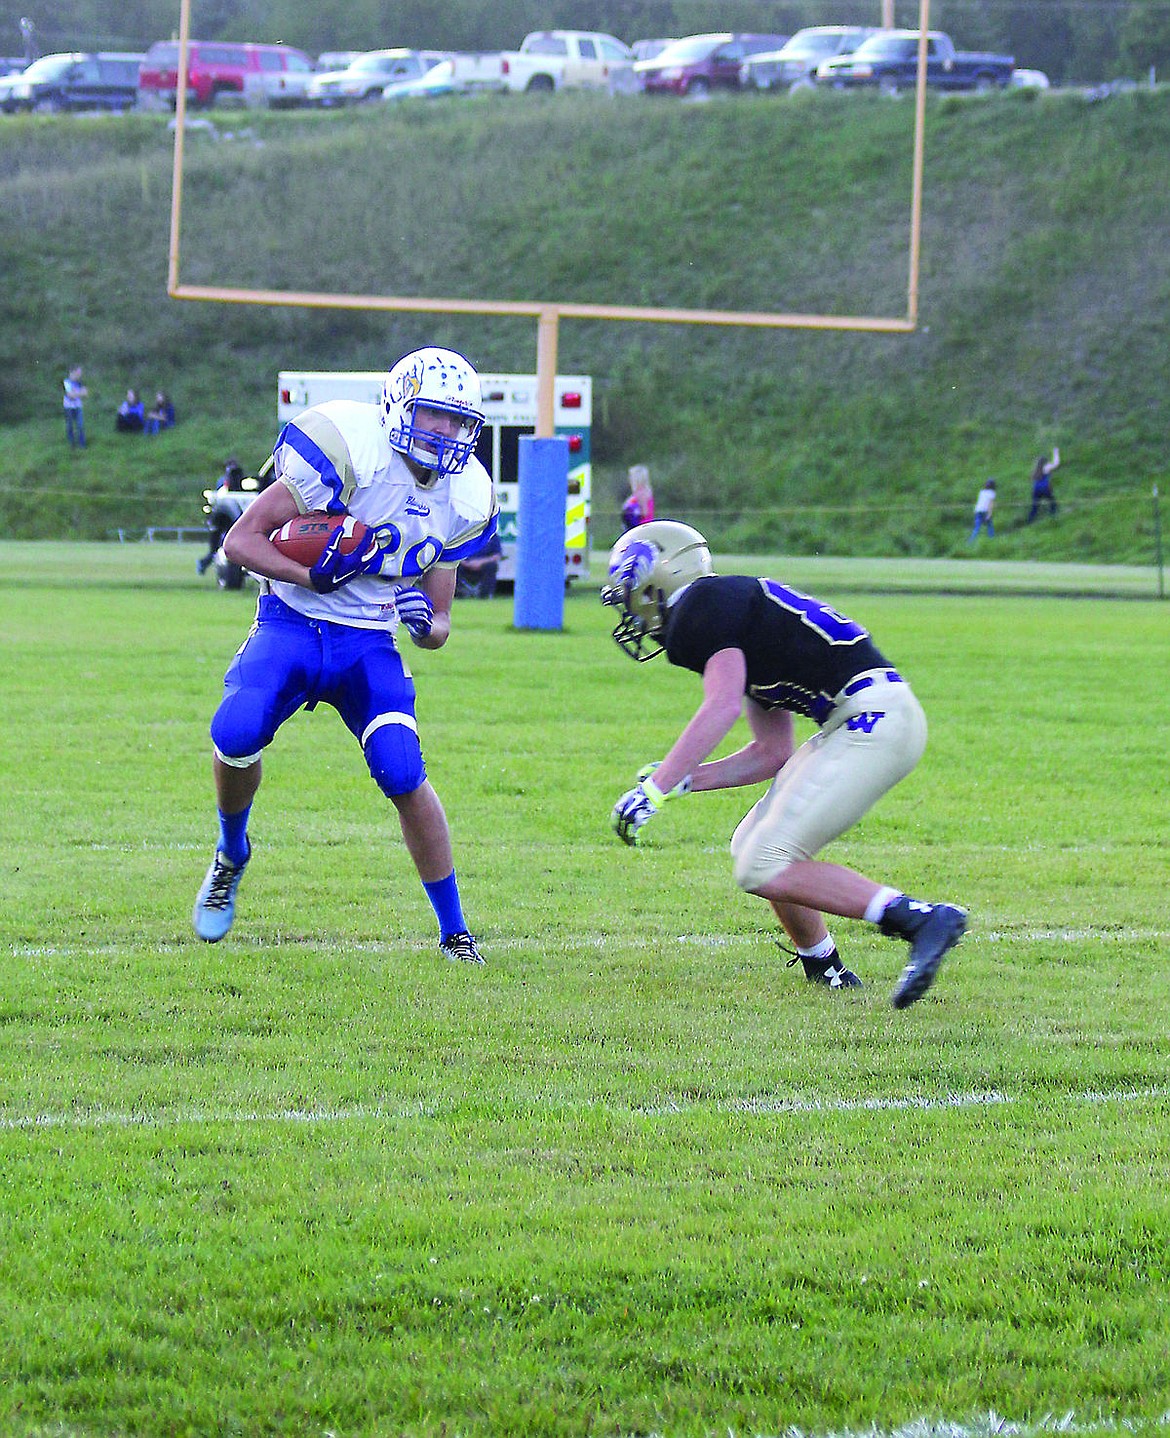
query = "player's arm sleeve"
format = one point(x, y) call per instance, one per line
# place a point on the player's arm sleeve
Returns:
point(312, 457)
point(478, 514)
point(710, 627)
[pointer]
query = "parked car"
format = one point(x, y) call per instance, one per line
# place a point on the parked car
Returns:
point(698, 64)
point(888, 61)
point(6, 84)
point(219, 71)
point(106, 80)
point(439, 80)
point(335, 60)
point(650, 49)
point(794, 65)
point(474, 71)
point(1029, 80)
point(549, 60)
point(369, 74)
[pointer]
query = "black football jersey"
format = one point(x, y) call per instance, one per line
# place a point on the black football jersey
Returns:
point(800, 652)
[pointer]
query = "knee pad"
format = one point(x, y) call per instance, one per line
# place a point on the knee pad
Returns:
point(243, 761)
point(394, 755)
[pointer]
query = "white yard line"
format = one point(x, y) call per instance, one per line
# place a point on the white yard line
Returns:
point(1109, 933)
point(669, 1108)
point(993, 1426)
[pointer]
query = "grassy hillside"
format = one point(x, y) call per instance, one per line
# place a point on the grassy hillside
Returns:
point(1045, 280)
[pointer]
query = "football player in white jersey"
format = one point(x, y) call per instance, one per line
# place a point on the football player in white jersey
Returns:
point(328, 633)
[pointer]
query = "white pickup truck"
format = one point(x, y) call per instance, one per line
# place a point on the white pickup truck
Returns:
point(550, 60)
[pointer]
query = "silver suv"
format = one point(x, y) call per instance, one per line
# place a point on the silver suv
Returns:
point(794, 65)
point(366, 77)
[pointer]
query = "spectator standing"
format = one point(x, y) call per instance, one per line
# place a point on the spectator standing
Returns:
point(161, 414)
point(767, 650)
point(1042, 484)
point(130, 418)
point(639, 507)
point(328, 633)
point(75, 395)
point(984, 508)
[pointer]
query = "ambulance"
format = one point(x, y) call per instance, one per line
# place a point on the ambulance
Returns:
point(509, 406)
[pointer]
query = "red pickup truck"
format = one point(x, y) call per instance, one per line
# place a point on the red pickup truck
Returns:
point(222, 70)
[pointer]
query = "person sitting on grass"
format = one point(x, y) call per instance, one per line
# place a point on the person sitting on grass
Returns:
point(161, 414)
point(130, 418)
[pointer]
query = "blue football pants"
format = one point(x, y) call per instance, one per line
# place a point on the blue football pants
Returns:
point(289, 662)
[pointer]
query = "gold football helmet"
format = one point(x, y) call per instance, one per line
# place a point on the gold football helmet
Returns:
point(647, 566)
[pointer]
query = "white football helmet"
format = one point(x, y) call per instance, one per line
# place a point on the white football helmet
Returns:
point(432, 379)
point(649, 564)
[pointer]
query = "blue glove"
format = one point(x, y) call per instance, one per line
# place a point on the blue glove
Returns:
point(333, 569)
point(414, 610)
point(632, 811)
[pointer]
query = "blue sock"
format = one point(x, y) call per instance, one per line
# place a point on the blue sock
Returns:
point(233, 835)
point(444, 897)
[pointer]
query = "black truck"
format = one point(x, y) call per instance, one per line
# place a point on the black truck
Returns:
point(888, 61)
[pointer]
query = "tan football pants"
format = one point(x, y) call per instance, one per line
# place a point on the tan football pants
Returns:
point(872, 739)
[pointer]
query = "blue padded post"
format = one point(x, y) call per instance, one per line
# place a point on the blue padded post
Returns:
point(540, 533)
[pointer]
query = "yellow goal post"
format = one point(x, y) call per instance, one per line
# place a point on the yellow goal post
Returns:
point(549, 313)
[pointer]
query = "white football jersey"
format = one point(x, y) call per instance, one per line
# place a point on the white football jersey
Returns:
point(336, 455)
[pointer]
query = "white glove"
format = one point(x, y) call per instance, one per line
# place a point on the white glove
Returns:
point(636, 808)
point(414, 610)
point(632, 811)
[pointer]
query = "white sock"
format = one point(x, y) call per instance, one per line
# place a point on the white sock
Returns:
point(818, 951)
point(880, 902)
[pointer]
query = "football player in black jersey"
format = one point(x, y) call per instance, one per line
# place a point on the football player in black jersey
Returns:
point(764, 647)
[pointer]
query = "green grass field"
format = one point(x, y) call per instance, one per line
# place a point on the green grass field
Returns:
point(634, 1176)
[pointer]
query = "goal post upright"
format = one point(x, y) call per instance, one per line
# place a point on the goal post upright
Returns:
point(918, 165)
point(180, 134)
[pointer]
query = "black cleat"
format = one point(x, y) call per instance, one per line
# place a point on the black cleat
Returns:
point(829, 971)
point(461, 949)
point(931, 930)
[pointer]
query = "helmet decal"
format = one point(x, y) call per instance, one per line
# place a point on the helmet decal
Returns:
point(635, 564)
point(437, 382)
point(411, 385)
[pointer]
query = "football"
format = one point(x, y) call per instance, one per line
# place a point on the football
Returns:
point(305, 537)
